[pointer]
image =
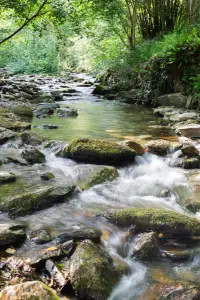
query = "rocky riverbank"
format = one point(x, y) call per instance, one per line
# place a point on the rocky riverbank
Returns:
point(76, 261)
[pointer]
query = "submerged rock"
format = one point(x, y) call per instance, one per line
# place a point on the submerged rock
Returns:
point(158, 220)
point(174, 290)
point(49, 126)
point(40, 197)
point(92, 175)
point(99, 151)
point(159, 147)
point(11, 234)
point(7, 177)
point(67, 112)
point(33, 156)
point(29, 290)
point(92, 273)
point(6, 135)
point(146, 246)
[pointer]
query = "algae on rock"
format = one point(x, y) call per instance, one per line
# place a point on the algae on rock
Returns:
point(99, 152)
point(92, 273)
point(158, 220)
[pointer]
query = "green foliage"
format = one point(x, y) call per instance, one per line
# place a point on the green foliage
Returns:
point(31, 53)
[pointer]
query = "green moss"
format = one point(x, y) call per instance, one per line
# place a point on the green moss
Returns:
point(51, 292)
point(13, 125)
point(99, 151)
point(22, 110)
point(161, 221)
point(20, 198)
point(99, 176)
point(191, 163)
point(94, 274)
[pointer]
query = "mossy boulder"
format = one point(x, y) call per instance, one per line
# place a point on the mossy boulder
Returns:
point(92, 175)
point(21, 202)
point(22, 110)
point(11, 234)
point(13, 124)
point(92, 273)
point(99, 152)
point(158, 220)
point(28, 291)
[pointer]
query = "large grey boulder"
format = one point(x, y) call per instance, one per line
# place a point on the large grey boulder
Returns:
point(175, 99)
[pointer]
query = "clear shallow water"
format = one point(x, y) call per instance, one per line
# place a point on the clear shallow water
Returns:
point(141, 184)
point(99, 118)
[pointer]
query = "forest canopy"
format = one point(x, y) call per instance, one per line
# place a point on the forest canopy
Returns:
point(49, 35)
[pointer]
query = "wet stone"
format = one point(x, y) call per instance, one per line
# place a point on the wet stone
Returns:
point(67, 112)
point(146, 247)
point(39, 236)
point(6, 135)
point(29, 290)
point(80, 235)
point(33, 156)
point(11, 234)
point(47, 176)
point(6, 177)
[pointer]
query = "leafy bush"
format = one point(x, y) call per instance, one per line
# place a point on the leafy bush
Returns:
point(31, 52)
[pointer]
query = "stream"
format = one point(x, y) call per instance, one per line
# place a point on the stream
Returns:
point(148, 183)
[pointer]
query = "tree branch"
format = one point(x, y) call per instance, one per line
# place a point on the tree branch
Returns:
point(25, 23)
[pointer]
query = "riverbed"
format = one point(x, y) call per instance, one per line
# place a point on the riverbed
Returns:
point(142, 184)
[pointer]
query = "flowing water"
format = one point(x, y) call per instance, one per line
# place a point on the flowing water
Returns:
point(142, 184)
